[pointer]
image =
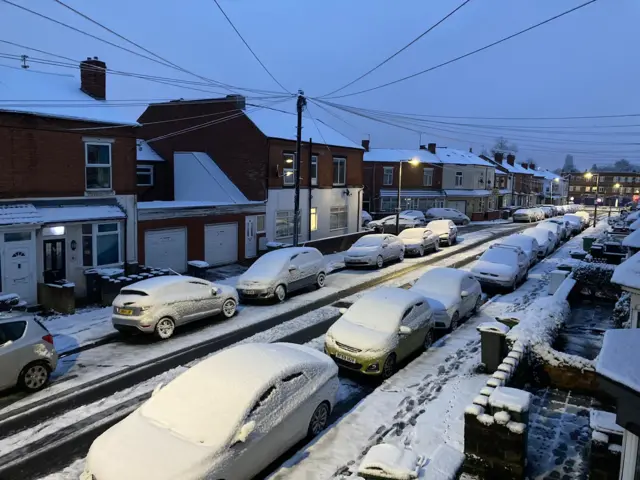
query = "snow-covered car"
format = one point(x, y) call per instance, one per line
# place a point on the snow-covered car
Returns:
point(565, 227)
point(575, 222)
point(388, 224)
point(159, 305)
point(528, 244)
point(548, 211)
point(446, 231)
point(379, 330)
point(452, 294)
point(374, 250)
point(417, 241)
point(227, 417)
point(452, 214)
point(365, 218)
point(586, 218)
point(545, 238)
point(524, 215)
point(554, 228)
point(501, 266)
point(554, 209)
point(538, 213)
point(417, 214)
point(280, 272)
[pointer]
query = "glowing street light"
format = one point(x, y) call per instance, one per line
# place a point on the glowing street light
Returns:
point(413, 162)
point(589, 176)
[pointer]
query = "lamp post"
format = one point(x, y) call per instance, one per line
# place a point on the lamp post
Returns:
point(555, 180)
point(413, 161)
point(589, 176)
point(619, 187)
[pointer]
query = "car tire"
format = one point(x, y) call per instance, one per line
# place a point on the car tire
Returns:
point(477, 305)
point(449, 242)
point(401, 256)
point(165, 328)
point(280, 293)
point(428, 339)
point(465, 222)
point(321, 279)
point(389, 367)
point(34, 376)
point(319, 420)
point(455, 320)
point(379, 261)
point(229, 308)
point(421, 252)
point(514, 285)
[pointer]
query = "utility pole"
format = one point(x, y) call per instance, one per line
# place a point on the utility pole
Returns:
point(302, 101)
point(595, 210)
point(399, 195)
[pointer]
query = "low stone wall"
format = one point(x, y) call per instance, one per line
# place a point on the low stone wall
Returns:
point(59, 298)
point(566, 372)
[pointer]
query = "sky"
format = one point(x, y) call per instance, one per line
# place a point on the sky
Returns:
point(582, 64)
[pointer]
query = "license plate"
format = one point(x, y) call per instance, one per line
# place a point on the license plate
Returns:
point(250, 292)
point(345, 358)
point(125, 311)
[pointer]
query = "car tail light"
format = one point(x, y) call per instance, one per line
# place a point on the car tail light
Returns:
point(48, 338)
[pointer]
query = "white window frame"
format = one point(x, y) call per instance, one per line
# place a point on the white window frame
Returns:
point(387, 176)
point(390, 202)
point(459, 176)
point(313, 219)
point(601, 189)
point(288, 173)
point(336, 213)
point(571, 188)
point(289, 214)
point(337, 162)
point(94, 243)
point(264, 224)
point(313, 174)
point(88, 165)
point(427, 177)
point(140, 171)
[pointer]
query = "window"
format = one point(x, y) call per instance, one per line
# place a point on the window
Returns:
point(339, 171)
point(292, 377)
point(314, 170)
point(458, 179)
point(388, 204)
point(338, 218)
point(571, 188)
point(628, 189)
point(601, 189)
point(17, 236)
point(260, 224)
point(100, 244)
point(98, 166)
point(427, 177)
point(144, 175)
point(387, 176)
point(12, 331)
point(439, 203)
point(262, 400)
point(313, 219)
point(284, 224)
point(578, 188)
point(289, 169)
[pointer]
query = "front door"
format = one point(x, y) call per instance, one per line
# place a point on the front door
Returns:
point(250, 244)
point(54, 260)
point(18, 277)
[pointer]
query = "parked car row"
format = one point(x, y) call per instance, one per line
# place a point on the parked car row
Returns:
point(540, 212)
point(413, 219)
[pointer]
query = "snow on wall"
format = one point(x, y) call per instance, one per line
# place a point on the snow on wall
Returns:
point(555, 358)
point(540, 321)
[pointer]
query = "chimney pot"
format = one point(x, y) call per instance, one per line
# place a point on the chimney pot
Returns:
point(498, 157)
point(532, 166)
point(365, 145)
point(423, 147)
point(511, 159)
point(432, 148)
point(93, 78)
point(240, 100)
point(470, 149)
point(525, 166)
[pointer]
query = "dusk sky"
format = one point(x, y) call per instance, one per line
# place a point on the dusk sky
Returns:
point(583, 64)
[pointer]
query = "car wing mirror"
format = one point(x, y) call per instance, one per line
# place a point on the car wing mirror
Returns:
point(384, 245)
point(157, 389)
point(215, 291)
point(244, 432)
point(342, 311)
point(464, 294)
point(292, 268)
point(403, 330)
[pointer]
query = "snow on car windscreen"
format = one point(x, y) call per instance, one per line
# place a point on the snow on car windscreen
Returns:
point(411, 233)
point(368, 241)
point(370, 314)
point(271, 264)
point(500, 255)
point(438, 281)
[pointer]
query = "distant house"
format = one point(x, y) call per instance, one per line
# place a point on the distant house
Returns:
point(520, 180)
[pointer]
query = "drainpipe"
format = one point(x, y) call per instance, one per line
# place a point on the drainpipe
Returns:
point(310, 196)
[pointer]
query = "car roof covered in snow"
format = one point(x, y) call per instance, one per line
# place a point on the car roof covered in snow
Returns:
point(389, 302)
point(441, 279)
point(619, 358)
point(151, 284)
point(519, 239)
point(537, 233)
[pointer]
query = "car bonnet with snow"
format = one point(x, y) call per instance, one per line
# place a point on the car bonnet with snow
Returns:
point(439, 227)
point(498, 261)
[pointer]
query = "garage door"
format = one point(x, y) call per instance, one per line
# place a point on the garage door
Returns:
point(459, 205)
point(166, 249)
point(221, 243)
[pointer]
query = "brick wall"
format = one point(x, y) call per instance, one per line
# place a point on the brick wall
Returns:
point(161, 179)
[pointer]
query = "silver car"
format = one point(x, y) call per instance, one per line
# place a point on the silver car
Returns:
point(27, 354)
point(157, 305)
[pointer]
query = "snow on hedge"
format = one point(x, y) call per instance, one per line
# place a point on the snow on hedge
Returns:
point(540, 322)
point(555, 358)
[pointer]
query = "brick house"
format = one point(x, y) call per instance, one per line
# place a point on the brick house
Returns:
point(67, 189)
point(623, 187)
point(254, 149)
point(520, 179)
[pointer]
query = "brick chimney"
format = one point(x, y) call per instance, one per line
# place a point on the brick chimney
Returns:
point(525, 166)
point(532, 166)
point(423, 147)
point(498, 157)
point(93, 78)
point(365, 145)
point(470, 149)
point(511, 159)
point(432, 148)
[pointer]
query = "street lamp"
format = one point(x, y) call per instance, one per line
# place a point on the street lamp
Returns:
point(619, 187)
point(414, 161)
point(555, 180)
point(589, 176)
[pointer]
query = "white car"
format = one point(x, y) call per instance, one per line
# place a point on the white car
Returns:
point(374, 250)
point(365, 218)
point(586, 219)
point(529, 245)
point(445, 229)
point(548, 211)
point(417, 214)
point(388, 224)
point(575, 222)
point(565, 227)
point(524, 215)
point(545, 238)
point(554, 228)
point(417, 241)
point(452, 294)
point(380, 329)
point(158, 305)
point(501, 266)
point(227, 417)
point(456, 216)
point(538, 213)
point(281, 272)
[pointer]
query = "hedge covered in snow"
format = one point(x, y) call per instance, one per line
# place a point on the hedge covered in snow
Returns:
point(540, 322)
point(597, 278)
point(622, 311)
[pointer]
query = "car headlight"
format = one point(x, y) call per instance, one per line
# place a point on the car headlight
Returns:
point(374, 367)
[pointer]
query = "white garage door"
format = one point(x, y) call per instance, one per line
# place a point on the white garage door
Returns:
point(166, 249)
point(459, 205)
point(221, 243)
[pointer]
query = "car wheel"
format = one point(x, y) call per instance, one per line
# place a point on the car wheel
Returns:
point(164, 328)
point(389, 367)
point(421, 251)
point(465, 222)
point(401, 256)
point(449, 242)
point(319, 420)
point(428, 339)
point(514, 285)
point(34, 376)
point(280, 293)
point(229, 308)
point(477, 305)
point(379, 261)
point(455, 319)
point(320, 279)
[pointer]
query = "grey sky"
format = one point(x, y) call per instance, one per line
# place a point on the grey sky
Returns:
point(582, 64)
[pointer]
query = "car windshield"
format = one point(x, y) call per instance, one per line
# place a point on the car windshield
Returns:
point(269, 265)
point(500, 255)
point(368, 241)
point(439, 282)
point(412, 233)
point(518, 242)
point(439, 226)
point(373, 315)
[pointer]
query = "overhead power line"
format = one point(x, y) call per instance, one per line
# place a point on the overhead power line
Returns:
point(478, 50)
point(432, 27)
point(249, 47)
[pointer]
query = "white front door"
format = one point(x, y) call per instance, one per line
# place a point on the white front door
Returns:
point(250, 244)
point(17, 275)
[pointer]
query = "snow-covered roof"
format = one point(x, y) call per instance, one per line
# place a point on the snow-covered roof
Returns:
point(388, 192)
point(171, 204)
point(460, 157)
point(632, 240)
point(144, 153)
point(619, 358)
point(627, 274)
point(515, 168)
point(63, 214)
point(548, 175)
point(14, 214)
point(443, 155)
point(59, 95)
point(278, 124)
point(467, 193)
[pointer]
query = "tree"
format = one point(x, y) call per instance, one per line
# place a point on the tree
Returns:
point(623, 166)
point(569, 166)
point(503, 146)
point(594, 168)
